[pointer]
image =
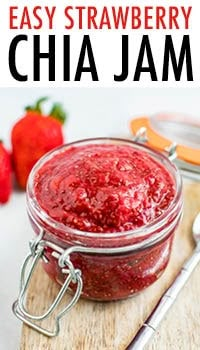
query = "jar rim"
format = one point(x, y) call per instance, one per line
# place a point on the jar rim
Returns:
point(151, 227)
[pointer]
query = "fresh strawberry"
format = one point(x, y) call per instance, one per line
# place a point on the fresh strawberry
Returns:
point(5, 174)
point(34, 135)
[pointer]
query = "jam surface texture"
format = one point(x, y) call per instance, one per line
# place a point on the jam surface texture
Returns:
point(103, 188)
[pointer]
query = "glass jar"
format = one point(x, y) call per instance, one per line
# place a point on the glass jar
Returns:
point(108, 266)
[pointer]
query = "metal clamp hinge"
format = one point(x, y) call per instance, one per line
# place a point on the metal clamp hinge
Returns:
point(37, 247)
point(141, 137)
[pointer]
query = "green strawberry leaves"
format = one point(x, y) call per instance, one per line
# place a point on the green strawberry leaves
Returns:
point(56, 112)
point(37, 107)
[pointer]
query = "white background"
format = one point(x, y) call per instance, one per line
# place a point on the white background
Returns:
point(92, 112)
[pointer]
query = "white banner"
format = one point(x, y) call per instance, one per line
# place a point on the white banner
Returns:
point(95, 43)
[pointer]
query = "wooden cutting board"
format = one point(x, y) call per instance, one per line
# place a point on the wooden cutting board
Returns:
point(111, 326)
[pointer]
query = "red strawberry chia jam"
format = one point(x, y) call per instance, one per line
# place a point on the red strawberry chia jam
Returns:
point(110, 195)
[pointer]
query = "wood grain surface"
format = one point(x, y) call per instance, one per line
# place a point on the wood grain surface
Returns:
point(112, 325)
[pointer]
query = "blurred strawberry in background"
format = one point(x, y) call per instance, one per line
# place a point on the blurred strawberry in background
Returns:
point(34, 135)
point(5, 174)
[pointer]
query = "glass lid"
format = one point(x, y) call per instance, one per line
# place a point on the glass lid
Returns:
point(179, 128)
point(176, 134)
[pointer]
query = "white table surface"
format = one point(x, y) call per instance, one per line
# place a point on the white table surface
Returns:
point(92, 112)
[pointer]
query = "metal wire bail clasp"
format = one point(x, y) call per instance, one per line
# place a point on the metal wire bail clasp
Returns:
point(37, 247)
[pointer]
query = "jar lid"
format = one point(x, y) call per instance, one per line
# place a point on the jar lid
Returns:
point(171, 132)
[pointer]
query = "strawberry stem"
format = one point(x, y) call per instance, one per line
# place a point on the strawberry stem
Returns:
point(58, 113)
point(37, 107)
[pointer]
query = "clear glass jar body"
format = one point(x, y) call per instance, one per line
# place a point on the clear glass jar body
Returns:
point(128, 261)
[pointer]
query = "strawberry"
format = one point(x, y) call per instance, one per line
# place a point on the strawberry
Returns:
point(34, 135)
point(5, 174)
